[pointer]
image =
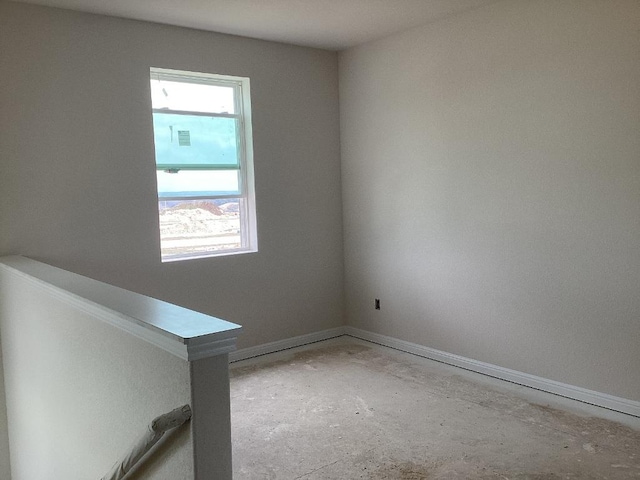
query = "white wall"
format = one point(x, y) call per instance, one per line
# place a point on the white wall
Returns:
point(80, 392)
point(491, 179)
point(77, 188)
point(211, 422)
point(5, 465)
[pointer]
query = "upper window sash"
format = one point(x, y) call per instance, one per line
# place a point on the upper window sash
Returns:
point(198, 123)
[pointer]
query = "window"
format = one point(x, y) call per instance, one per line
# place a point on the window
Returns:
point(204, 164)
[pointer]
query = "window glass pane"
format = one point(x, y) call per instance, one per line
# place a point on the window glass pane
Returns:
point(204, 164)
point(192, 141)
point(193, 183)
point(199, 226)
point(192, 97)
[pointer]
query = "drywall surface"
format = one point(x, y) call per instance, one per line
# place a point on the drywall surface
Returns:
point(491, 179)
point(211, 425)
point(5, 466)
point(80, 392)
point(78, 187)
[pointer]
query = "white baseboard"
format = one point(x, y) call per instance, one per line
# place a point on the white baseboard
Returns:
point(623, 405)
point(618, 404)
point(285, 344)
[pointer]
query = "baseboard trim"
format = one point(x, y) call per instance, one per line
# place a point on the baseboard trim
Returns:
point(287, 343)
point(618, 404)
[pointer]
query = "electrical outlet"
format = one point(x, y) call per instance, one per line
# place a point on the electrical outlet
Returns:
point(377, 304)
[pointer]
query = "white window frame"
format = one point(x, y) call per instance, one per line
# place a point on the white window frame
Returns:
point(242, 98)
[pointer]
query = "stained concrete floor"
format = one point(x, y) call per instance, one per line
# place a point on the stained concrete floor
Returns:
point(348, 409)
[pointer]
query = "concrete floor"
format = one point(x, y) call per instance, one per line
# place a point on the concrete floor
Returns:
point(348, 409)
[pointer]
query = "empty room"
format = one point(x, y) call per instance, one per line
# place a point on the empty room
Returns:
point(420, 219)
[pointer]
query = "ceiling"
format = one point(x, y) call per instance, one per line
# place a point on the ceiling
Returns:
point(328, 24)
